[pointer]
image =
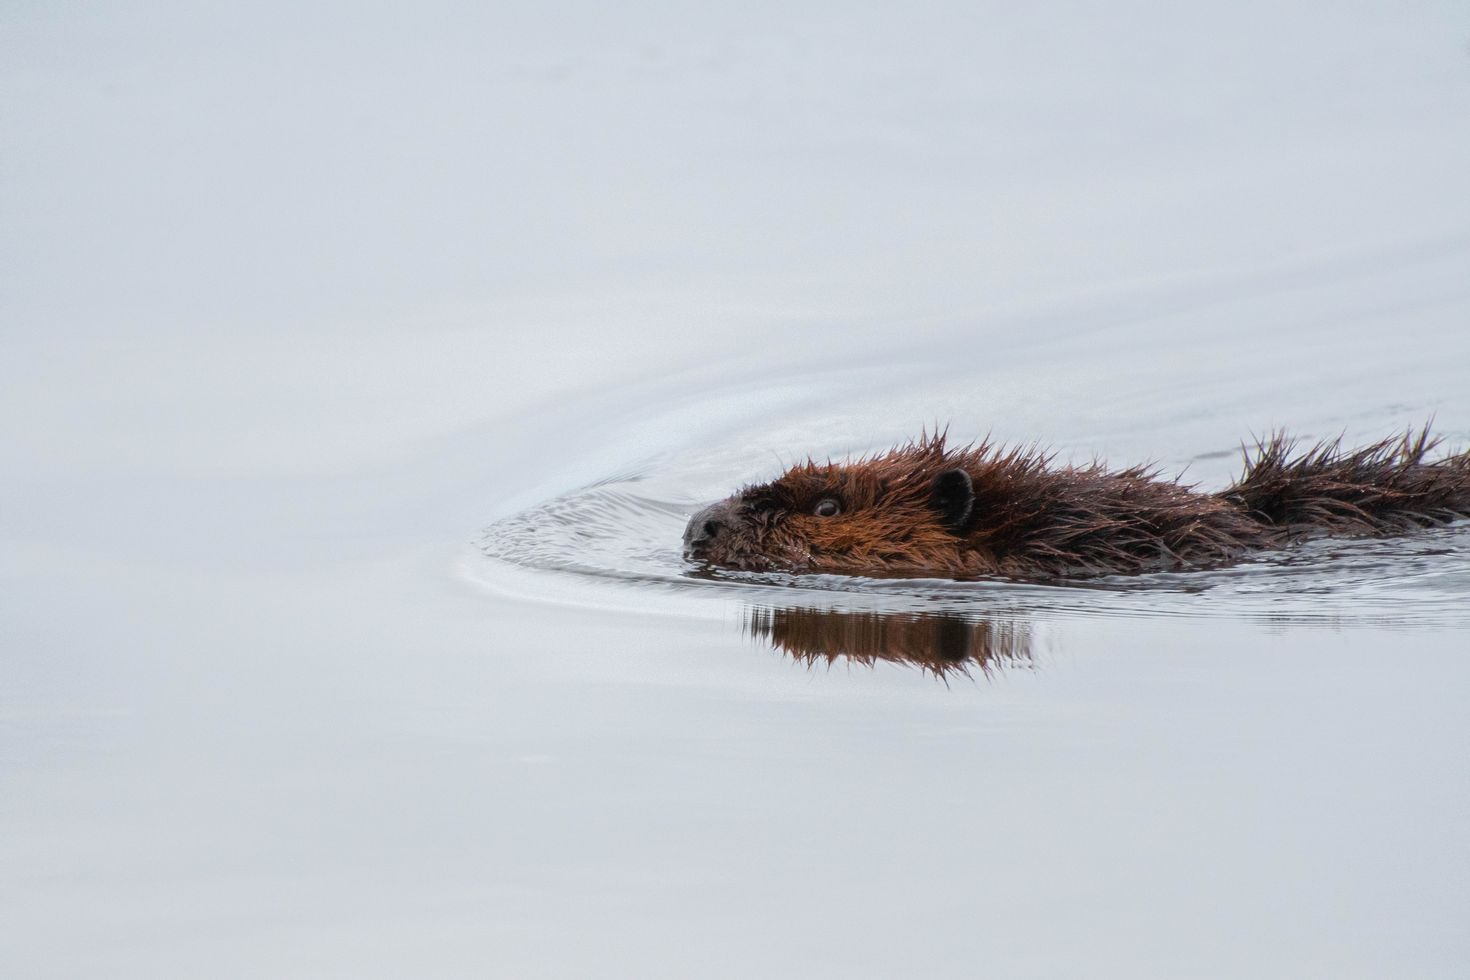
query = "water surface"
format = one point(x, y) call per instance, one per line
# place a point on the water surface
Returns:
point(359, 368)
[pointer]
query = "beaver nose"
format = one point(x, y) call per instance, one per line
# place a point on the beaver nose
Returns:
point(707, 525)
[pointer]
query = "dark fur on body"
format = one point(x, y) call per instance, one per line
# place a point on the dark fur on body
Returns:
point(927, 510)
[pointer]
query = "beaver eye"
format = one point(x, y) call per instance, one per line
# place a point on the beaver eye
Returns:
point(827, 507)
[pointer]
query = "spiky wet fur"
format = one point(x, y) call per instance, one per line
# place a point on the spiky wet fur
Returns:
point(1032, 520)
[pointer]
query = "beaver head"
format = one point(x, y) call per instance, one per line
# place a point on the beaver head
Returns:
point(903, 512)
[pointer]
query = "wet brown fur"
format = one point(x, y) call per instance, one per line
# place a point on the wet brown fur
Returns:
point(1033, 520)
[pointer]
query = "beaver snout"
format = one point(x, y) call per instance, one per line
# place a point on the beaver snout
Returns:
point(706, 527)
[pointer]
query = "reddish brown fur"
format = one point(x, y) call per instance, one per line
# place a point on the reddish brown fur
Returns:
point(1031, 520)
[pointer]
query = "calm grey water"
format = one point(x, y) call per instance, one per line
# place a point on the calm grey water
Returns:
point(359, 368)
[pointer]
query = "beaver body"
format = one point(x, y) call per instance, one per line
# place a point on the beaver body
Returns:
point(926, 510)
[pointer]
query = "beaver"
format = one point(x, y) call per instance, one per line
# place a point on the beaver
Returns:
point(927, 510)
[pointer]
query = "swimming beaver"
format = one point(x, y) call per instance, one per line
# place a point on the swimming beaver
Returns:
point(927, 510)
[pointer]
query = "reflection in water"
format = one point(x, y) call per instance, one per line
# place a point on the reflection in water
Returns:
point(940, 643)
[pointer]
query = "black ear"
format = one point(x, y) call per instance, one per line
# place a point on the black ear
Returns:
point(953, 496)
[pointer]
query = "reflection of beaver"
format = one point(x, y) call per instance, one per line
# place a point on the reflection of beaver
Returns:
point(939, 643)
point(925, 510)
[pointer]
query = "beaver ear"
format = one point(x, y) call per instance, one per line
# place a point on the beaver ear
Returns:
point(953, 497)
